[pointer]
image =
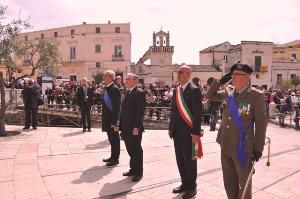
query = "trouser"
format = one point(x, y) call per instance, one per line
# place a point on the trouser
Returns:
point(186, 166)
point(114, 140)
point(213, 119)
point(281, 119)
point(235, 177)
point(135, 151)
point(30, 116)
point(85, 116)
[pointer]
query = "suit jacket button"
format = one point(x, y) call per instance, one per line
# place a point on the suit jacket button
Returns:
point(227, 126)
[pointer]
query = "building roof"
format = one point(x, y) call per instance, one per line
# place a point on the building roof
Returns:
point(291, 43)
point(211, 48)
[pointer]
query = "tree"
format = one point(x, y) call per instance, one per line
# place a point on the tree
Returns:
point(21, 58)
point(295, 81)
point(285, 84)
point(98, 77)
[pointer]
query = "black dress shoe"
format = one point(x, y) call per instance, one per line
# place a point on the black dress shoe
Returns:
point(189, 193)
point(137, 178)
point(34, 128)
point(25, 128)
point(89, 130)
point(179, 189)
point(83, 130)
point(112, 163)
point(128, 173)
point(107, 160)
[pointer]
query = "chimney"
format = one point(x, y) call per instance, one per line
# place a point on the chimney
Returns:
point(109, 22)
point(84, 22)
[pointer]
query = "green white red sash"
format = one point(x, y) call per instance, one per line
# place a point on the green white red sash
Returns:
point(187, 117)
point(183, 109)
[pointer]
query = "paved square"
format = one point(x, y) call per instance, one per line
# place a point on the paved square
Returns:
point(65, 163)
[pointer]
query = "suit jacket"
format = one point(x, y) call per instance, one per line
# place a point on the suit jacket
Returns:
point(80, 97)
point(30, 96)
point(132, 111)
point(111, 117)
point(193, 99)
point(252, 108)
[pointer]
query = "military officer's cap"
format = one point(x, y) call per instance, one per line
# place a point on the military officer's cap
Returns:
point(242, 67)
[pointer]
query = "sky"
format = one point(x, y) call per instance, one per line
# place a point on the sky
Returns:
point(193, 24)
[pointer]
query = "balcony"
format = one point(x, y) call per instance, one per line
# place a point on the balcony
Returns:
point(117, 57)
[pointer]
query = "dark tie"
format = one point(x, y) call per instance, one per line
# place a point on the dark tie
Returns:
point(181, 89)
point(127, 94)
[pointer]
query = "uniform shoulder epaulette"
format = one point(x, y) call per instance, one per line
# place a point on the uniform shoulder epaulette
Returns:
point(257, 90)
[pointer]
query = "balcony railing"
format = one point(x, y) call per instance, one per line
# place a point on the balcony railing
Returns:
point(117, 57)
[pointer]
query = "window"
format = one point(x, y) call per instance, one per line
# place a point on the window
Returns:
point(225, 58)
point(55, 34)
point(257, 63)
point(72, 53)
point(98, 48)
point(26, 38)
point(118, 51)
point(97, 64)
point(98, 30)
point(72, 32)
point(117, 30)
point(293, 76)
point(279, 77)
point(42, 36)
point(257, 76)
point(294, 56)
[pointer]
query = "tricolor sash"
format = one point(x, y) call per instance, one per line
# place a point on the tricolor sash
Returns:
point(107, 101)
point(238, 121)
point(187, 117)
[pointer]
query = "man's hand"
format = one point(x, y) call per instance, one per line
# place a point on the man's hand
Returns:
point(226, 78)
point(135, 131)
point(195, 138)
point(256, 155)
point(170, 134)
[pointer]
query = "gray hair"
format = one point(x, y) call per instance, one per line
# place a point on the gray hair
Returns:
point(132, 76)
point(111, 73)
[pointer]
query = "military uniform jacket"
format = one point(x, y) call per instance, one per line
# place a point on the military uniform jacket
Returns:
point(252, 109)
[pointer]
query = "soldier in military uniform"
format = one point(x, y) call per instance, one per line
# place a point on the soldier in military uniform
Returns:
point(242, 130)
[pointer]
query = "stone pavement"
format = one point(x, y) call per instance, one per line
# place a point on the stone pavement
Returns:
point(65, 163)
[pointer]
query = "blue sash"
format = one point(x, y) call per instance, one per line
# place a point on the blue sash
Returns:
point(107, 101)
point(238, 121)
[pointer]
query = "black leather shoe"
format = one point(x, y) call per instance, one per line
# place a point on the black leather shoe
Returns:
point(189, 193)
point(83, 130)
point(179, 189)
point(25, 128)
point(112, 163)
point(128, 173)
point(34, 128)
point(89, 130)
point(137, 178)
point(107, 160)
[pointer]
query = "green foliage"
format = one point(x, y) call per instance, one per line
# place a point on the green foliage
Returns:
point(98, 77)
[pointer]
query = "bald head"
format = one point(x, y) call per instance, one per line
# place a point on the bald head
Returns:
point(184, 74)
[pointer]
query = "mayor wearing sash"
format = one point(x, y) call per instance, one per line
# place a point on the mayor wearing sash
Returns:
point(110, 116)
point(242, 131)
point(185, 129)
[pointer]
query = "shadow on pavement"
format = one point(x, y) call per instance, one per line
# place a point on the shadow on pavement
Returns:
point(93, 174)
point(99, 145)
point(118, 189)
point(73, 134)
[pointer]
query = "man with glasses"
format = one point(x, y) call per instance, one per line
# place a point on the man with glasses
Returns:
point(242, 131)
point(131, 125)
point(110, 116)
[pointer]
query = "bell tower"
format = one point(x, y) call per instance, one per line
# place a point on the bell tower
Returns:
point(161, 52)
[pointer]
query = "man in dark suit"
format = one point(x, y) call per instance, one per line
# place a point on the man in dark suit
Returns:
point(30, 97)
point(110, 116)
point(185, 134)
point(84, 99)
point(131, 125)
